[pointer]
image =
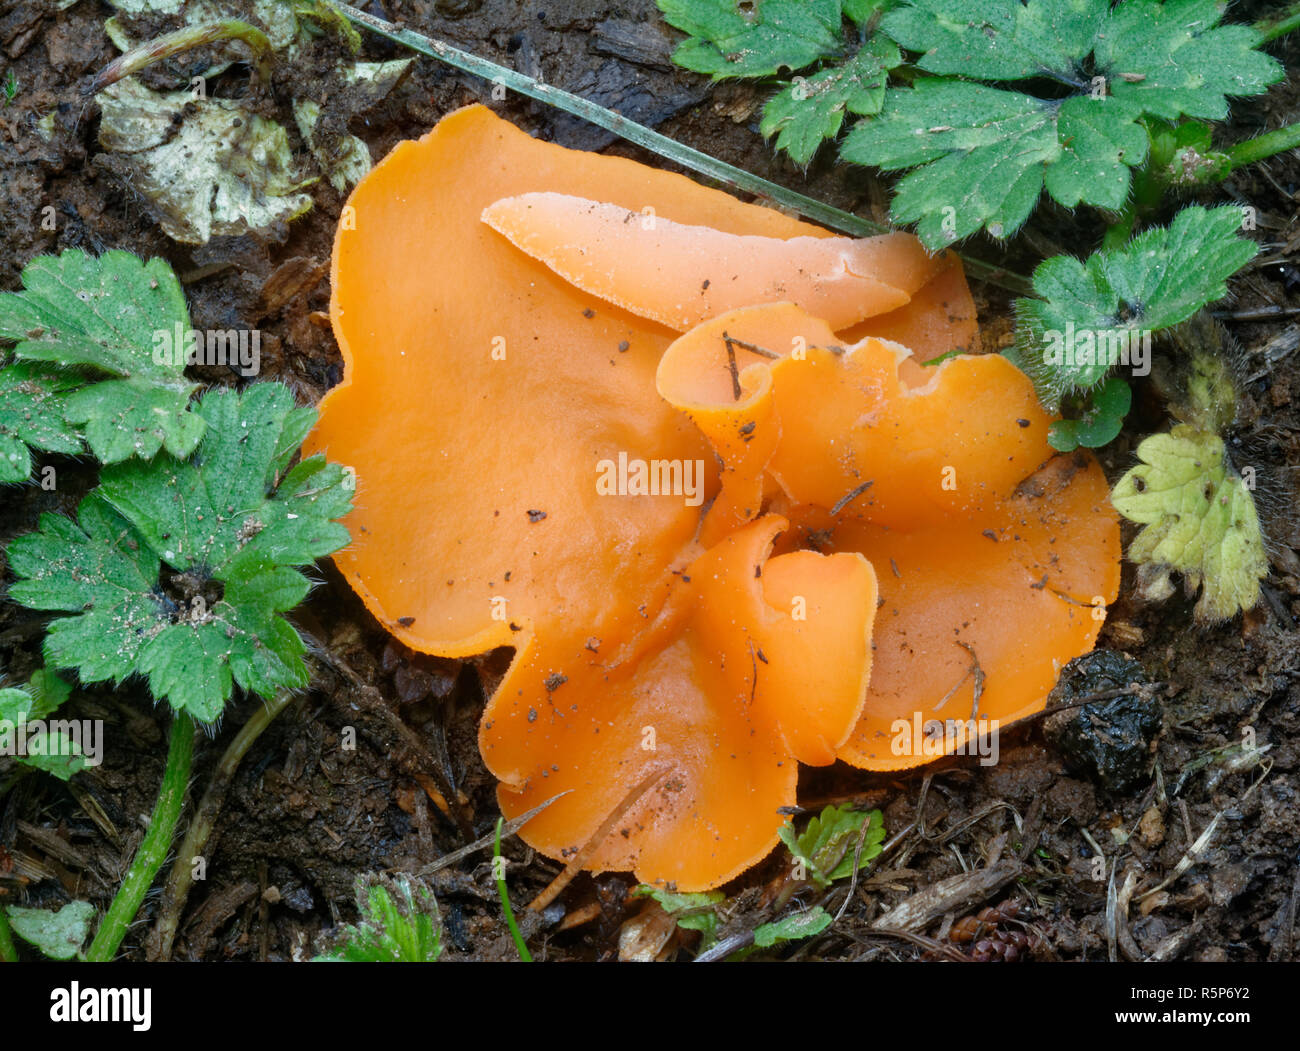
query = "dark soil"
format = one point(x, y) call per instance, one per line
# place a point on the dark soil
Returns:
point(304, 817)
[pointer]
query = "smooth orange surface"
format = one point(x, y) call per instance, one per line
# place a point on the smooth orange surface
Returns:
point(680, 275)
point(981, 556)
point(486, 397)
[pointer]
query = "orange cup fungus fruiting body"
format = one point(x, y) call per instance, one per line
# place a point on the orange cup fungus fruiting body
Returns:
point(680, 453)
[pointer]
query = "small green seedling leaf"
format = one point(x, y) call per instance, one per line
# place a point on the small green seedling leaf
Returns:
point(811, 109)
point(693, 912)
point(45, 748)
point(58, 935)
point(828, 844)
point(1101, 421)
point(98, 321)
point(179, 569)
point(1199, 519)
point(399, 924)
point(982, 155)
point(1091, 316)
point(795, 927)
point(770, 36)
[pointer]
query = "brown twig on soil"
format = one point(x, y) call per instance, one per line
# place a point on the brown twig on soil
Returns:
point(1188, 859)
point(947, 895)
point(181, 877)
point(576, 863)
point(508, 829)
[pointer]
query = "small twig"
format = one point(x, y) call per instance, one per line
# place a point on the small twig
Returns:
point(1188, 859)
point(924, 941)
point(511, 827)
point(731, 364)
point(181, 877)
point(1266, 313)
point(753, 348)
point(1143, 690)
point(850, 496)
point(580, 859)
point(187, 39)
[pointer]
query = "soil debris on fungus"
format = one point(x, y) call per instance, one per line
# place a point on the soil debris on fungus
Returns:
point(736, 439)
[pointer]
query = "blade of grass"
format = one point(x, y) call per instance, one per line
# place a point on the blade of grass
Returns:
point(500, 872)
point(670, 149)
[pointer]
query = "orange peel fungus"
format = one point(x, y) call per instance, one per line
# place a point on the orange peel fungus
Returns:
point(680, 453)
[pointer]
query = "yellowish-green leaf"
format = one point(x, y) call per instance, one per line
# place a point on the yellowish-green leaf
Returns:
point(1199, 517)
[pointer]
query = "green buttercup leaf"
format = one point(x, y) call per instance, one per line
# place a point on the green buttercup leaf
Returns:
point(179, 569)
point(761, 41)
point(1091, 316)
point(812, 109)
point(982, 155)
point(95, 323)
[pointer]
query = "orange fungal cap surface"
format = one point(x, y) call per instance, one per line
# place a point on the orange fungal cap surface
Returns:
point(720, 541)
point(680, 274)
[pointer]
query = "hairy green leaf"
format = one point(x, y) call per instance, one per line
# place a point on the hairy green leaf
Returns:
point(1091, 316)
point(1199, 519)
point(982, 155)
point(760, 41)
point(32, 403)
point(100, 319)
point(795, 927)
point(58, 935)
point(830, 841)
point(1101, 421)
point(179, 569)
point(693, 912)
point(812, 109)
point(399, 924)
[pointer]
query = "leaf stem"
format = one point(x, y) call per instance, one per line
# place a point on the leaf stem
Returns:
point(1263, 146)
point(146, 54)
point(524, 954)
point(737, 178)
point(1285, 21)
point(153, 848)
point(8, 951)
point(181, 877)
